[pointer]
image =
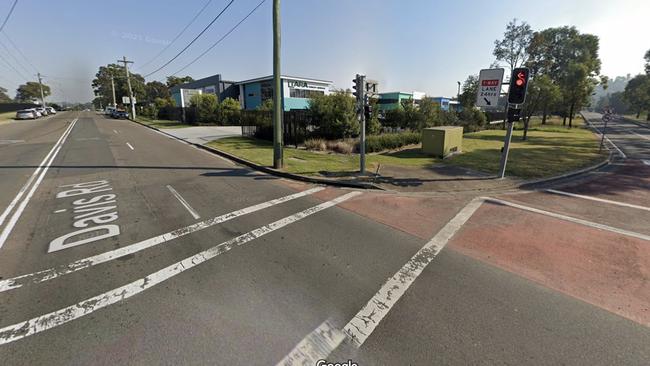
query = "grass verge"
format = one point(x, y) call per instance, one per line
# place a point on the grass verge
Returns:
point(550, 150)
point(163, 124)
point(7, 116)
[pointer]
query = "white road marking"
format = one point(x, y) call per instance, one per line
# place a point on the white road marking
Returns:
point(571, 219)
point(646, 162)
point(61, 210)
point(598, 199)
point(316, 346)
point(8, 142)
point(24, 188)
point(59, 317)
point(642, 136)
point(366, 320)
point(610, 141)
point(115, 131)
point(43, 170)
point(52, 273)
point(187, 206)
point(129, 145)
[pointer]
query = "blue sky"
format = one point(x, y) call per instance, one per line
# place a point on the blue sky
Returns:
point(406, 45)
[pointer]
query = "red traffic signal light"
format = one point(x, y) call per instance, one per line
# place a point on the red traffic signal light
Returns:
point(518, 86)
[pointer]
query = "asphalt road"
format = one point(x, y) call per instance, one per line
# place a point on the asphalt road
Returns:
point(102, 261)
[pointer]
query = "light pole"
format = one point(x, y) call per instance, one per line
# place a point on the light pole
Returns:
point(458, 94)
point(277, 89)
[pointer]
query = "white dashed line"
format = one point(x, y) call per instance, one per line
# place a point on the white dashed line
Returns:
point(316, 346)
point(52, 273)
point(115, 131)
point(187, 206)
point(129, 145)
point(59, 211)
point(598, 199)
point(65, 315)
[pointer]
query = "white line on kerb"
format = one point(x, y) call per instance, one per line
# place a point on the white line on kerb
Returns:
point(642, 136)
point(24, 188)
point(52, 273)
point(187, 206)
point(43, 170)
point(129, 145)
point(571, 219)
point(56, 318)
point(361, 326)
point(646, 162)
point(598, 199)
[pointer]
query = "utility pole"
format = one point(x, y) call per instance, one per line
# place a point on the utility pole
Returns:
point(40, 83)
point(277, 89)
point(113, 87)
point(362, 137)
point(128, 83)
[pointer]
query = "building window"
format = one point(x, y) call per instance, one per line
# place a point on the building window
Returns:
point(305, 93)
point(387, 101)
point(266, 90)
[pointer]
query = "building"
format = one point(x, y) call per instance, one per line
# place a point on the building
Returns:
point(211, 85)
point(447, 104)
point(393, 100)
point(296, 91)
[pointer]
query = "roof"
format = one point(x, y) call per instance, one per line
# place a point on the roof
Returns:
point(285, 77)
point(210, 80)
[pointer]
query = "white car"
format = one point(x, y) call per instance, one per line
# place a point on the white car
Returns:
point(50, 110)
point(26, 114)
point(42, 111)
point(37, 113)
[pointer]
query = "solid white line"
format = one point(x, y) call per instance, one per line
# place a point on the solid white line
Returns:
point(608, 140)
point(598, 199)
point(25, 187)
point(642, 136)
point(59, 211)
point(189, 208)
point(129, 145)
point(19, 210)
point(316, 346)
point(571, 219)
point(54, 272)
point(646, 162)
point(366, 320)
point(54, 319)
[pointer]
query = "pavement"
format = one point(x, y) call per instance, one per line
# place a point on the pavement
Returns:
point(204, 134)
point(121, 245)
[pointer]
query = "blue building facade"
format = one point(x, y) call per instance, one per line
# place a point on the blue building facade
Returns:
point(296, 91)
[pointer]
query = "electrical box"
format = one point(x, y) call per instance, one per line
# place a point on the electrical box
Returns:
point(442, 141)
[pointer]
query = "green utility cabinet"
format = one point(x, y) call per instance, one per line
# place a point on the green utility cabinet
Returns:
point(442, 141)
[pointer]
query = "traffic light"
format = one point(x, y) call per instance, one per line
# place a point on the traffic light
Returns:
point(367, 111)
point(518, 85)
point(358, 88)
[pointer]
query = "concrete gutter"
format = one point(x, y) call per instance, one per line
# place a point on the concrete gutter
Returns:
point(269, 170)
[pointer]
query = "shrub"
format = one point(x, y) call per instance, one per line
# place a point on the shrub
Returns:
point(316, 144)
point(334, 115)
point(340, 146)
point(206, 107)
point(472, 119)
point(391, 141)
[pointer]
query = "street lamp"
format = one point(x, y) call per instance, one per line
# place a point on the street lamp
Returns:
point(458, 95)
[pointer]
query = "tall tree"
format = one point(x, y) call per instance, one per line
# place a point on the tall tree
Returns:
point(469, 91)
point(637, 94)
point(4, 98)
point(571, 60)
point(156, 89)
point(513, 48)
point(542, 94)
point(103, 89)
point(31, 92)
point(175, 80)
point(647, 62)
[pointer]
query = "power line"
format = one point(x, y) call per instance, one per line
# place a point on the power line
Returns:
point(178, 35)
point(13, 68)
point(221, 39)
point(14, 57)
point(19, 51)
point(8, 15)
point(194, 40)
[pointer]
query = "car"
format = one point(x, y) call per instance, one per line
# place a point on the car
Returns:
point(42, 111)
point(37, 113)
point(109, 110)
point(120, 114)
point(26, 114)
point(50, 110)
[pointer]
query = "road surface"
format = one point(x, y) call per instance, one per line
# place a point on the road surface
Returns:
point(120, 245)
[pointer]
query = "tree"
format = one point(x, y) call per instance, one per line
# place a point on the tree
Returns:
point(542, 94)
point(647, 62)
point(335, 115)
point(469, 91)
point(513, 48)
point(31, 92)
point(571, 60)
point(637, 94)
point(103, 89)
point(175, 80)
point(228, 112)
point(155, 90)
point(4, 98)
point(206, 107)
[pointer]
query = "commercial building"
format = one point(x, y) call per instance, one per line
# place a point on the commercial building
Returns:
point(393, 100)
point(296, 91)
point(211, 85)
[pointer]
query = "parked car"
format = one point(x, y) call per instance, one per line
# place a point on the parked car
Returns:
point(109, 110)
point(26, 114)
point(42, 111)
point(37, 113)
point(119, 114)
point(50, 110)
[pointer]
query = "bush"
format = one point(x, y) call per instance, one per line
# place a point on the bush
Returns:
point(391, 141)
point(472, 120)
point(341, 147)
point(206, 107)
point(334, 115)
point(316, 144)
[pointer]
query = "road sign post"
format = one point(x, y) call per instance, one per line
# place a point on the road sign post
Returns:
point(516, 97)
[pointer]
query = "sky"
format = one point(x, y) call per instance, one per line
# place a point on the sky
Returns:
point(409, 45)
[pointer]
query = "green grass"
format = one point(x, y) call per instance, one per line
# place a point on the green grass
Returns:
point(642, 117)
point(550, 151)
point(7, 116)
point(159, 123)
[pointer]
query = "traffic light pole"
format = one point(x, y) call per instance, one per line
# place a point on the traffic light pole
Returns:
point(277, 89)
point(506, 146)
point(362, 136)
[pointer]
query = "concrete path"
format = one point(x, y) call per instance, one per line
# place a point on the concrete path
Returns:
point(204, 134)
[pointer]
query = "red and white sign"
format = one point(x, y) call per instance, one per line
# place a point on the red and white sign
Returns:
point(489, 87)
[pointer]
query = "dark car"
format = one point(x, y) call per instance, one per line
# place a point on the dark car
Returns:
point(119, 114)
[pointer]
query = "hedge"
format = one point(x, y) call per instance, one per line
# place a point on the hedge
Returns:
point(391, 141)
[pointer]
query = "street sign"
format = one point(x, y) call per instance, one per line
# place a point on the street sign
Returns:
point(126, 100)
point(489, 87)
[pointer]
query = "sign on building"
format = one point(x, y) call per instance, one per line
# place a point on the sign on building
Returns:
point(187, 94)
point(126, 100)
point(489, 87)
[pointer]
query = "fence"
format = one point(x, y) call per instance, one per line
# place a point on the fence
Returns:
point(12, 107)
point(297, 126)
